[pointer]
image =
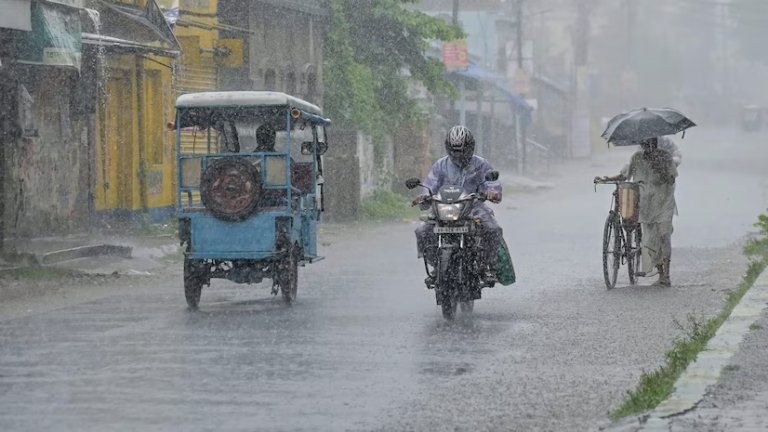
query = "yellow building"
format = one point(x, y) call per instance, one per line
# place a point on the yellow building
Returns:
point(134, 151)
point(135, 160)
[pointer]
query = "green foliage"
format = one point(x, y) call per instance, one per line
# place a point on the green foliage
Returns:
point(757, 248)
point(655, 386)
point(385, 205)
point(370, 42)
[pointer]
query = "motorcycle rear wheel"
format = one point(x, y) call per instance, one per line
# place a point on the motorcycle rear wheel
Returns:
point(467, 307)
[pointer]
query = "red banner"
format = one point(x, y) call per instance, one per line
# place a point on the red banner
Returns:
point(455, 54)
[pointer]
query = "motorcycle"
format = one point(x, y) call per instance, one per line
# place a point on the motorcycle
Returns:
point(459, 265)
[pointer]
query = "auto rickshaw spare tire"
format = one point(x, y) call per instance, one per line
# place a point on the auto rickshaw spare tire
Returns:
point(230, 188)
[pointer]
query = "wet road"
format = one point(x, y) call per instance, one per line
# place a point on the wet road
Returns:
point(365, 348)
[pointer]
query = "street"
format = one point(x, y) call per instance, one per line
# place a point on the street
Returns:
point(365, 347)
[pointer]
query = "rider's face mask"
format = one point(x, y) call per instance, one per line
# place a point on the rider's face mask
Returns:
point(460, 156)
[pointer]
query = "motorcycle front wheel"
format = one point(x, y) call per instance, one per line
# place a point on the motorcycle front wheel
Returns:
point(445, 290)
point(449, 305)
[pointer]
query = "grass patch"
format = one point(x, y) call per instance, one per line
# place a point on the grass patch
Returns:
point(38, 273)
point(755, 326)
point(730, 368)
point(656, 386)
point(385, 205)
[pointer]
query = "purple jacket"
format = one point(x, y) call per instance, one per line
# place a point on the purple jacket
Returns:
point(444, 172)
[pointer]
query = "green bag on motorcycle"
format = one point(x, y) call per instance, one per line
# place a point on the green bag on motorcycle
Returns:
point(506, 270)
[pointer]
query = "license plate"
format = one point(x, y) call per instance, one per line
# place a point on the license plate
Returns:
point(451, 230)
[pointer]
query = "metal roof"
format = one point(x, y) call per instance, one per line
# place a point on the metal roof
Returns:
point(245, 98)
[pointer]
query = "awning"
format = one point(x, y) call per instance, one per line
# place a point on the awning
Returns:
point(114, 44)
point(55, 38)
point(17, 14)
point(475, 72)
point(550, 84)
point(124, 29)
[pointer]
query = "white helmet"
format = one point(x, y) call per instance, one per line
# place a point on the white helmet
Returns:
point(460, 145)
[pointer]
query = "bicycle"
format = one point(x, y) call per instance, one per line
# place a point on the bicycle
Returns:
point(622, 234)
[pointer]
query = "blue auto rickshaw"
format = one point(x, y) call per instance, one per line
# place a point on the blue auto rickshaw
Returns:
point(250, 189)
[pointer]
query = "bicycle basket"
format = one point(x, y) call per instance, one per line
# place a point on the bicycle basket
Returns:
point(629, 197)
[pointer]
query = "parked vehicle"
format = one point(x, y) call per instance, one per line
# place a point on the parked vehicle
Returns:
point(249, 188)
point(459, 266)
point(752, 118)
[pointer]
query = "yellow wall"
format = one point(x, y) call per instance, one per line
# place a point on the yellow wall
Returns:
point(160, 142)
point(123, 127)
point(194, 30)
point(126, 131)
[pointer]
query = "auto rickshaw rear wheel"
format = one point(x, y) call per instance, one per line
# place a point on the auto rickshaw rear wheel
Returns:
point(288, 275)
point(193, 281)
point(230, 188)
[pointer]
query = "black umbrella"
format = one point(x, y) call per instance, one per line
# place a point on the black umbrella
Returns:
point(636, 125)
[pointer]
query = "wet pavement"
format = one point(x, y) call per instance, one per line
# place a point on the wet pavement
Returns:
point(365, 347)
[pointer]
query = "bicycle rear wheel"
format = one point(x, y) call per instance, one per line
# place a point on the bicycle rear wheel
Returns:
point(633, 253)
point(612, 250)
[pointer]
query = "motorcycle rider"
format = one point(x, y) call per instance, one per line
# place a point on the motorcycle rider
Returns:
point(461, 167)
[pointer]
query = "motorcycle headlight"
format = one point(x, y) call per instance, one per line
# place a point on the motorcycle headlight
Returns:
point(449, 212)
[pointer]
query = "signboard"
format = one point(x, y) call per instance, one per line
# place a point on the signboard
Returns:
point(455, 54)
point(55, 38)
point(521, 81)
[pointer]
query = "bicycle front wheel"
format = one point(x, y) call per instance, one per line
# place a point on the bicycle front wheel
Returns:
point(612, 251)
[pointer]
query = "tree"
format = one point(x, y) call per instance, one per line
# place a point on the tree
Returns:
point(370, 44)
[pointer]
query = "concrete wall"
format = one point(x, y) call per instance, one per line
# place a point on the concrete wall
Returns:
point(411, 154)
point(47, 180)
point(353, 169)
point(284, 49)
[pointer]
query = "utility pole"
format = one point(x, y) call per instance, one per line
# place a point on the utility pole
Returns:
point(519, 32)
point(629, 61)
point(455, 22)
point(581, 133)
point(631, 12)
point(519, 125)
point(723, 25)
point(581, 53)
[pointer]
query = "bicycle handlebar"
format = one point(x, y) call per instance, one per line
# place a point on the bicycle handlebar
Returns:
point(616, 182)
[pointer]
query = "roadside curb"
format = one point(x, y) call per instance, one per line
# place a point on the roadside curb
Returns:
point(705, 371)
point(84, 252)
